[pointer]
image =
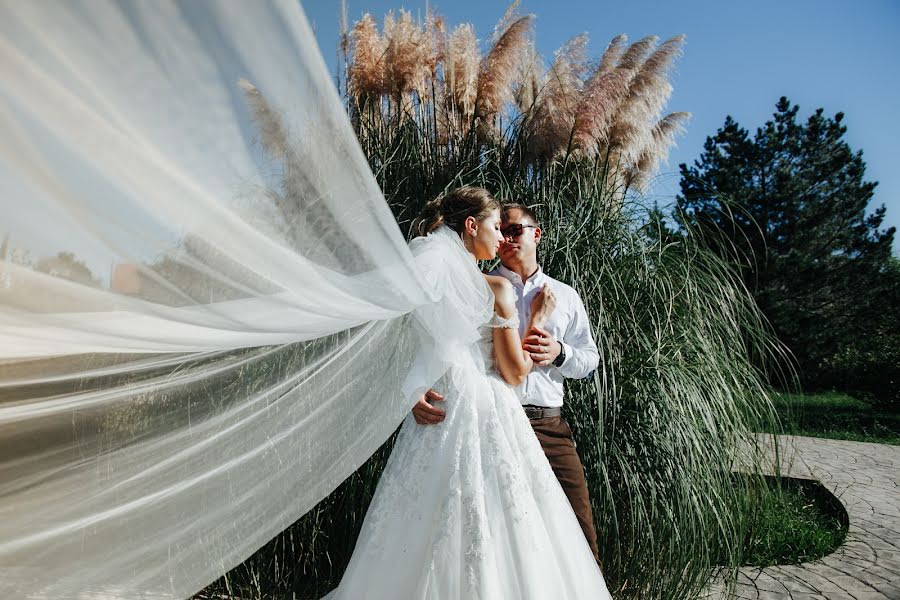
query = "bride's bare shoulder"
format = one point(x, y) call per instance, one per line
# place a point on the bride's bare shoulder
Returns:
point(498, 283)
point(502, 288)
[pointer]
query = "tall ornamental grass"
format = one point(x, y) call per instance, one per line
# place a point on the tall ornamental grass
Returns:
point(669, 415)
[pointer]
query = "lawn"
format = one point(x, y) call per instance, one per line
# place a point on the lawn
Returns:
point(837, 416)
point(796, 521)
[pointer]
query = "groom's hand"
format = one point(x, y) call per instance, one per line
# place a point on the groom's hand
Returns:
point(426, 413)
point(542, 346)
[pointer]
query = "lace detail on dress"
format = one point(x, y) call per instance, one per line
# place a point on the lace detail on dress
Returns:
point(487, 339)
point(498, 321)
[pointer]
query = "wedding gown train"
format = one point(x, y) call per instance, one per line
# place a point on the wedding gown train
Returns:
point(470, 508)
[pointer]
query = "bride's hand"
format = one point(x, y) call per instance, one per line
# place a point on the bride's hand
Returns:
point(542, 305)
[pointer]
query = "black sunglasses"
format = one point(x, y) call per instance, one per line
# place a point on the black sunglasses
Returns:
point(515, 229)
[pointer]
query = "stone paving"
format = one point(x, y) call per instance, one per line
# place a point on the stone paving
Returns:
point(866, 479)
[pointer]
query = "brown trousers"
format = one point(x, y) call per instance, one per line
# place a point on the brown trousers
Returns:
point(556, 439)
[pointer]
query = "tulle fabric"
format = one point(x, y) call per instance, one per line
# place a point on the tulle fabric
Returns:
point(208, 315)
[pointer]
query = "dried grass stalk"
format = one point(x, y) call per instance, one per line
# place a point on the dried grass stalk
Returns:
point(509, 17)
point(552, 121)
point(657, 152)
point(603, 95)
point(637, 53)
point(532, 77)
point(436, 34)
point(497, 77)
point(271, 128)
point(613, 54)
point(647, 95)
point(461, 70)
point(366, 75)
point(500, 71)
point(408, 57)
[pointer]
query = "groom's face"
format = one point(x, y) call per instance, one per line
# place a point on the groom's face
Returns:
point(522, 247)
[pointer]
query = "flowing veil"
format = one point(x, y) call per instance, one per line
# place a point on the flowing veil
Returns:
point(208, 315)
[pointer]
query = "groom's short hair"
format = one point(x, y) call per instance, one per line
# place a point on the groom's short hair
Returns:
point(524, 209)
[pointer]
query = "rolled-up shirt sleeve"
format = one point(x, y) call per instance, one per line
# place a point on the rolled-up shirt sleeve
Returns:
point(581, 351)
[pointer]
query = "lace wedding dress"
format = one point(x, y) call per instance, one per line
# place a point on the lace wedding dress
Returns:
point(469, 508)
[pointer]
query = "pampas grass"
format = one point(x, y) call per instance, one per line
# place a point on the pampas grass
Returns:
point(531, 79)
point(271, 128)
point(613, 54)
point(461, 66)
point(598, 107)
point(498, 74)
point(569, 109)
point(408, 56)
point(550, 125)
point(663, 138)
point(366, 73)
point(648, 93)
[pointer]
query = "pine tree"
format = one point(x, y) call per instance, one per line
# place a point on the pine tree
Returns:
point(790, 204)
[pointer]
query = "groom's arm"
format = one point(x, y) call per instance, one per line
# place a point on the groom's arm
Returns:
point(581, 355)
point(425, 413)
point(422, 374)
point(417, 380)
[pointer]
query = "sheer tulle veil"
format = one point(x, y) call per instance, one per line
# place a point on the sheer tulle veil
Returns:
point(208, 315)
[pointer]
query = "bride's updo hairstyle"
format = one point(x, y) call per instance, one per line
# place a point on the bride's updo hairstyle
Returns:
point(453, 208)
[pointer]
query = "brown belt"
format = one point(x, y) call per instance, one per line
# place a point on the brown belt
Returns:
point(541, 412)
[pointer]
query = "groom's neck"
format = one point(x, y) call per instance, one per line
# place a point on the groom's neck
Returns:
point(523, 269)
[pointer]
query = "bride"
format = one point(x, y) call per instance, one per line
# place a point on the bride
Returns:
point(470, 508)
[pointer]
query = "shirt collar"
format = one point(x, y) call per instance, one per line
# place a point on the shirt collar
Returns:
point(536, 279)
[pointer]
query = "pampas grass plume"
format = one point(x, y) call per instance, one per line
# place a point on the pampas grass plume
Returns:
point(272, 132)
point(657, 152)
point(647, 95)
point(499, 70)
point(531, 79)
point(637, 53)
point(408, 55)
point(552, 121)
point(599, 104)
point(366, 75)
point(461, 69)
point(613, 54)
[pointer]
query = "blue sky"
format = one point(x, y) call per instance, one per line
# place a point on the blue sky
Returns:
point(740, 57)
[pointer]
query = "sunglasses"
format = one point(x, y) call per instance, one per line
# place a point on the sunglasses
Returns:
point(515, 230)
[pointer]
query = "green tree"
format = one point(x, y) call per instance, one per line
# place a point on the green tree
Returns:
point(869, 364)
point(67, 266)
point(790, 204)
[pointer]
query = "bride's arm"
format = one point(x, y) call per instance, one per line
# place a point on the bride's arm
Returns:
point(513, 362)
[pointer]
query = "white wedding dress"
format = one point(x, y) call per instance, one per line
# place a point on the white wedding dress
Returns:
point(470, 508)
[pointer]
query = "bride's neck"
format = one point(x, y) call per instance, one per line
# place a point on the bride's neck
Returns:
point(469, 246)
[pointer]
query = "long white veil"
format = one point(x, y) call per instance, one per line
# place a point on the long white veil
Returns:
point(206, 306)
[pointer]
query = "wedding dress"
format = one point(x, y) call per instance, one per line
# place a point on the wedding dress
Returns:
point(469, 508)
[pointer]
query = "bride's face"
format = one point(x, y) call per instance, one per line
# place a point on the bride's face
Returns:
point(487, 238)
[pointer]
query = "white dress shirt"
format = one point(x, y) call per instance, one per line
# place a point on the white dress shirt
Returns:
point(568, 323)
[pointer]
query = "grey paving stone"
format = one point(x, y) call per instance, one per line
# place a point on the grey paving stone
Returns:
point(866, 479)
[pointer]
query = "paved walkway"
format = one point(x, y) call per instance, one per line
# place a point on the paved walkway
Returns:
point(866, 479)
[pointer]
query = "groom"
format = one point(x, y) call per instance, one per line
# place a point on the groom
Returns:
point(564, 349)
